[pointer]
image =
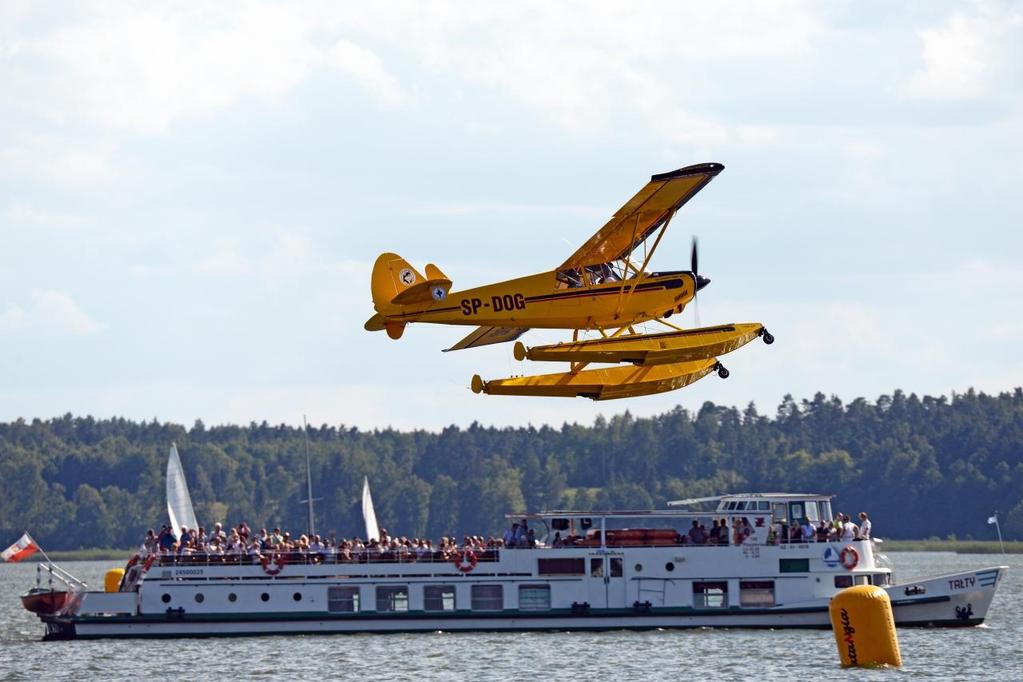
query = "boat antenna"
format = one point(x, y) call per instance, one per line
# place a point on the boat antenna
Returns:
point(309, 479)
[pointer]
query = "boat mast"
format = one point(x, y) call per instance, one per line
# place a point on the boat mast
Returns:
point(308, 478)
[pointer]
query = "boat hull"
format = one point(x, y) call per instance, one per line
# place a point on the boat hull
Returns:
point(956, 600)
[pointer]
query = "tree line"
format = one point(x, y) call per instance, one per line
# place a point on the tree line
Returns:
point(922, 467)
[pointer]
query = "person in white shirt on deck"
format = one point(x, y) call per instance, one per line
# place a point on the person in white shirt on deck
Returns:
point(848, 529)
point(864, 526)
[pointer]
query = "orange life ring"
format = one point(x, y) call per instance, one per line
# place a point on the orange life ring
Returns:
point(849, 557)
point(273, 566)
point(149, 563)
point(465, 560)
point(132, 561)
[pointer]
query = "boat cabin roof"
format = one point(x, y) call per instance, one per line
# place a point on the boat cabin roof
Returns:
point(736, 502)
point(723, 500)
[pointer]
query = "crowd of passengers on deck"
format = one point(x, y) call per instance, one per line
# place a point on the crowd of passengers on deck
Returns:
point(841, 529)
point(240, 542)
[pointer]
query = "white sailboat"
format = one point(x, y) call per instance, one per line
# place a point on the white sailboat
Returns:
point(179, 502)
point(368, 514)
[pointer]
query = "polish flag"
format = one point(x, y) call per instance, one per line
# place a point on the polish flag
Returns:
point(23, 548)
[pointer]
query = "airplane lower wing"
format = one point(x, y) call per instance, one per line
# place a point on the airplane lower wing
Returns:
point(484, 336)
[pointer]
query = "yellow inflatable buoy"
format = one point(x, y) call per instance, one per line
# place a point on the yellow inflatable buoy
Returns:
point(864, 626)
point(112, 579)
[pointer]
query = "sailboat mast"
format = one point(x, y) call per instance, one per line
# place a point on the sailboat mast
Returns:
point(308, 478)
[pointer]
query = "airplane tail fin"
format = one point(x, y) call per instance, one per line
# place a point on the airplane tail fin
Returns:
point(395, 284)
point(392, 275)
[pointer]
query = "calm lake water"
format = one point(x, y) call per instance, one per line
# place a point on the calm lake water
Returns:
point(989, 652)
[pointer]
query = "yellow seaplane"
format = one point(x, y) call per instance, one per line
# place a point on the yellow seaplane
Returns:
point(603, 289)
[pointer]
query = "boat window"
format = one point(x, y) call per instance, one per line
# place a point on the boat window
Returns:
point(487, 597)
point(779, 511)
point(740, 505)
point(843, 581)
point(731, 505)
point(670, 566)
point(297, 596)
point(881, 579)
point(575, 566)
point(439, 598)
point(861, 579)
point(597, 567)
point(200, 598)
point(756, 593)
point(265, 596)
point(559, 524)
point(796, 512)
point(793, 565)
point(764, 505)
point(825, 509)
point(811, 512)
point(232, 597)
point(392, 598)
point(616, 567)
point(535, 597)
point(165, 598)
point(343, 599)
point(710, 594)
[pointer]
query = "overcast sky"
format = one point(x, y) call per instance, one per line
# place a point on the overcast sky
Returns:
point(192, 195)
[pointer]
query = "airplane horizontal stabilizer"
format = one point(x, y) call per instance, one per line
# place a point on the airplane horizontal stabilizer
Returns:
point(424, 292)
point(485, 336)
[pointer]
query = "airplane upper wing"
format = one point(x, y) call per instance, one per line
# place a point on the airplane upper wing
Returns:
point(643, 214)
point(484, 336)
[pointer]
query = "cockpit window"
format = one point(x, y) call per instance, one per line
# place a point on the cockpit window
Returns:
point(570, 279)
point(602, 274)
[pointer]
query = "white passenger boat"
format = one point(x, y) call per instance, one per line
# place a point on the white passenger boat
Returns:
point(621, 569)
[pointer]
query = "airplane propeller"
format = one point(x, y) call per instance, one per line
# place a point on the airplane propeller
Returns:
point(694, 262)
point(694, 265)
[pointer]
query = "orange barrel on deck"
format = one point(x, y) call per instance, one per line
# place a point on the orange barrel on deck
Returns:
point(861, 617)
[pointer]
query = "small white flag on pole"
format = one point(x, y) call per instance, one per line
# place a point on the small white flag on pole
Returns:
point(992, 519)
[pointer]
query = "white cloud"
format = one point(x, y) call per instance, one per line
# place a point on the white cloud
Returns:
point(55, 159)
point(29, 215)
point(367, 69)
point(271, 256)
point(583, 67)
point(51, 312)
point(138, 68)
point(14, 319)
point(965, 57)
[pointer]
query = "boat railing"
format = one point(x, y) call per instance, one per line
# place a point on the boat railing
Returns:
point(313, 558)
point(55, 571)
point(438, 557)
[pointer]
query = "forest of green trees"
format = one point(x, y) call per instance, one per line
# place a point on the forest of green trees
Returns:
point(922, 467)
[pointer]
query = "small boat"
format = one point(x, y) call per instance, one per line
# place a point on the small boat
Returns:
point(45, 601)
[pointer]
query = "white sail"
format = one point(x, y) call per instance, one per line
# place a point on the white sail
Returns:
point(179, 503)
point(370, 516)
